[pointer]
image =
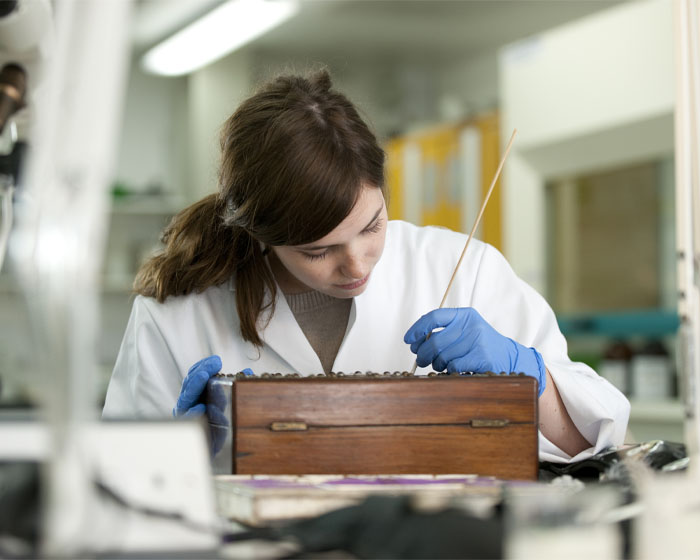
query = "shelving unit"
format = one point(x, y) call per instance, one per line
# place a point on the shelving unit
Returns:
point(649, 419)
point(135, 224)
point(116, 284)
point(134, 231)
point(643, 322)
point(146, 206)
point(670, 410)
point(661, 419)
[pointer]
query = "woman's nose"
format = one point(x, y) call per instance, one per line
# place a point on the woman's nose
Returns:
point(353, 266)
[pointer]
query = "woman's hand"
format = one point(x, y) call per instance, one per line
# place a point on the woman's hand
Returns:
point(468, 343)
point(188, 403)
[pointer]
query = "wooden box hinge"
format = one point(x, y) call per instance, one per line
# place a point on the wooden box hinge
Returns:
point(489, 423)
point(288, 426)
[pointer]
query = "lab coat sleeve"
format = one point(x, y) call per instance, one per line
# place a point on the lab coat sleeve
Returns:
point(146, 381)
point(599, 411)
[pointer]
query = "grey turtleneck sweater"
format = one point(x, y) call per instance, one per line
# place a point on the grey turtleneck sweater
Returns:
point(323, 320)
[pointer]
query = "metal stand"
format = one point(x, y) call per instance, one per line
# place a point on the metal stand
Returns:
point(687, 125)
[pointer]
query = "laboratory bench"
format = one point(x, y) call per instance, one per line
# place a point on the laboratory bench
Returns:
point(590, 509)
point(591, 514)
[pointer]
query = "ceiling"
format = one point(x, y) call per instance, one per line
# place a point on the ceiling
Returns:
point(390, 28)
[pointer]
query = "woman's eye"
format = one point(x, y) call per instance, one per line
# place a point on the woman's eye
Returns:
point(375, 228)
point(315, 256)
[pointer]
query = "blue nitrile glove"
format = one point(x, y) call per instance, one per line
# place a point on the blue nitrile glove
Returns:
point(468, 343)
point(193, 386)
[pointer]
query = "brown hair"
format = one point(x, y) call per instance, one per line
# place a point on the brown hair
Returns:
point(294, 159)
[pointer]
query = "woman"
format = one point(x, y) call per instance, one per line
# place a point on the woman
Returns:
point(294, 267)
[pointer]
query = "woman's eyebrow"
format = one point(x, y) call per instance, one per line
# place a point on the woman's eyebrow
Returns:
point(317, 247)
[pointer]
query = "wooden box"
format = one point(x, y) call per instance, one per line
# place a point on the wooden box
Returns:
point(374, 424)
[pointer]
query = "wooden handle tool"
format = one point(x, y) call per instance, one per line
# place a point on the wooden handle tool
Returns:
point(476, 224)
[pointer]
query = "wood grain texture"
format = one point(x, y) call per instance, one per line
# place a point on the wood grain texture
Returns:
point(387, 426)
point(352, 402)
point(509, 453)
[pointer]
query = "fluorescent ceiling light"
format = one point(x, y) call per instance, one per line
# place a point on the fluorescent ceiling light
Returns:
point(216, 34)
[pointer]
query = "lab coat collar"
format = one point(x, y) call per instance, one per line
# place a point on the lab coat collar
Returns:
point(281, 332)
point(284, 335)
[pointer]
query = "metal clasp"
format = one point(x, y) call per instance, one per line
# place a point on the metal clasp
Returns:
point(486, 423)
point(288, 426)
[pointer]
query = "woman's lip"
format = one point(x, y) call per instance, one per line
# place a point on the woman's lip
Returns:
point(354, 285)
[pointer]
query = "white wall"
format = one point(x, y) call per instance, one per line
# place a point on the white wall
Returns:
point(591, 94)
point(214, 93)
point(470, 84)
point(170, 133)
point(154, 134)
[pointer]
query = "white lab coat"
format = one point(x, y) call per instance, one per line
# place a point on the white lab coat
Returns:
point(163, 340)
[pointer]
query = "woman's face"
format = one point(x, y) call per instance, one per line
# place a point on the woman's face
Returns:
point(340, 263)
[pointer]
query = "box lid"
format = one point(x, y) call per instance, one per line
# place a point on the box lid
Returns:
point(349, 401)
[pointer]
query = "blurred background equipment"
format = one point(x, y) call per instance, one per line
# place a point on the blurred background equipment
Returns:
point(13, 86)
point(93, 477)
point(615, 365)
point(24, 32)
point(687, 28)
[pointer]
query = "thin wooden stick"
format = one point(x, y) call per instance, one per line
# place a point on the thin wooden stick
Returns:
point(471, 234)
